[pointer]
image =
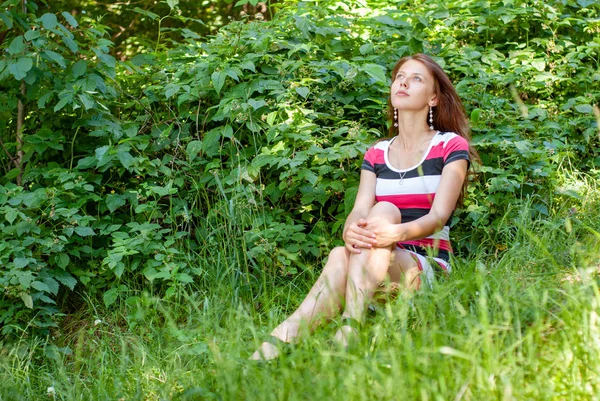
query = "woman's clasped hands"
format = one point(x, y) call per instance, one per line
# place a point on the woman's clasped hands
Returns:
point(372, 233)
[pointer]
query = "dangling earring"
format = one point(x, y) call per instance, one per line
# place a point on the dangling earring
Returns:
point(430, 118)
point(395, 117)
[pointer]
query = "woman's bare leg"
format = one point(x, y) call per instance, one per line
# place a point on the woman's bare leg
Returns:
point(323, 301)
point(367, 270)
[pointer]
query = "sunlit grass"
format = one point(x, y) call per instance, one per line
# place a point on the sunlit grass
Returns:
point(522, 324)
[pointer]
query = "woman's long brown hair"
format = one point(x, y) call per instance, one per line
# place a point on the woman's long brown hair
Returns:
point(449, 114)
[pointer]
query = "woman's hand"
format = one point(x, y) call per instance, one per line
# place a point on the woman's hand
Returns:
point(356, 236)
point(386, 233)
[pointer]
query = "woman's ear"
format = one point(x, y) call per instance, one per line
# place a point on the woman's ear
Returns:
point(433, 102)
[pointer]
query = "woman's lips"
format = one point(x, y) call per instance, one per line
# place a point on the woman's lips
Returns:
point(401, 93)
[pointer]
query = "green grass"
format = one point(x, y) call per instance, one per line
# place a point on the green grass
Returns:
point(520, 324)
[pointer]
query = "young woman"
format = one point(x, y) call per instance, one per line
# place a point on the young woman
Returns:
point(399, 226)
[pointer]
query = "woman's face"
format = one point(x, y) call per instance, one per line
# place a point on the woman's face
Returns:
point(413, 87)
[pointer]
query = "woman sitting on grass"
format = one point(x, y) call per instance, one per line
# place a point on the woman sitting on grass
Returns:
point(399, 226)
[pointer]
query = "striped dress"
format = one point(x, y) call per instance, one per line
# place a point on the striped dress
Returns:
point(413, 190)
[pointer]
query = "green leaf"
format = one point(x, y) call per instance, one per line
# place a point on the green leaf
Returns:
point(171, 89)
point(17, 45)
point(151, 273)
point(70, 19)
point(21, 67)
point(11, 214)
point(218, 80)
point(248, 65)
point(49, 21)
point(115, 201)
point(43, 99)
point(192, 149)
point(101, 152)
point(38, 285)
point(13, 173)
point(7, 19)
point(65, 279)
point(79, 68)
point(539, 64)
point(172, 3)
point(71, 44)
point(143, 59)
point(234, 73)
point(84, 231)
point(21, 262)
point(62, 103)
point(52, 285)
point(87, 162)
point(125, 158)
point(146, 13)
point(25, 279)
point(119, 269)
point(366, 49)
point(256, 104)
point(227, 131)
point(61, 260)
point(303, 91)
point(87, 102)
point(27, 300)
point(253, 126)
point(375, 71)
point(584, 108)
point(387, 20)
point(184, 278)
point(34, 199)
point(56, 57)
point(31, 34)
point(190, 34)
point(107, 59)
point(162, 191)
point(475, 115)
point(110, 296)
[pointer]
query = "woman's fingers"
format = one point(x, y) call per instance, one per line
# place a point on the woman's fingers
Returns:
point(355, 247)
point(361, 234)
point(357, 237)
point(355, 244)
point(352, 248)
point(362, 223)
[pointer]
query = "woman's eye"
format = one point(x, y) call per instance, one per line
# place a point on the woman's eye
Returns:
point(417, 79)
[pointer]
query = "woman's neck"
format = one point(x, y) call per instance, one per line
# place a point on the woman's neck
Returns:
point(412, 130)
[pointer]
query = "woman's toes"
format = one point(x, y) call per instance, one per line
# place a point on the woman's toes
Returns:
point(265, 352)
point(345, 335)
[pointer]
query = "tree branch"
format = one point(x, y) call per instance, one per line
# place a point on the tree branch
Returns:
point(12, 159)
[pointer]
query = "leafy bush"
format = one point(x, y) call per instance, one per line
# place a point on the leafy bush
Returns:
point(135, 173)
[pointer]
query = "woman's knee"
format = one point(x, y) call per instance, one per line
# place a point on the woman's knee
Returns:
point(404, 260)
point(406, 269)
point(338, 258)
point(387, 211)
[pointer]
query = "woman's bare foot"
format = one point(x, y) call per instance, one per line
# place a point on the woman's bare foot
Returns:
point(265, 352)
point(345, 335)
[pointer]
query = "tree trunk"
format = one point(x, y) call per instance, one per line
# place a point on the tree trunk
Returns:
point(19, 137)
point(20, 121)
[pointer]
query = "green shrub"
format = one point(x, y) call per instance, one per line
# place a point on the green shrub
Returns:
point(134, 172)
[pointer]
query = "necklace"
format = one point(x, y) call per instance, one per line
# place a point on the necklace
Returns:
point(401, 175)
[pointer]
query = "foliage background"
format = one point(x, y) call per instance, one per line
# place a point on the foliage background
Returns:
point(184, 158)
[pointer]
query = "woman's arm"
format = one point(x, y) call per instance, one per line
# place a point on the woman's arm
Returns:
point(446, 196)
point(355, 235)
